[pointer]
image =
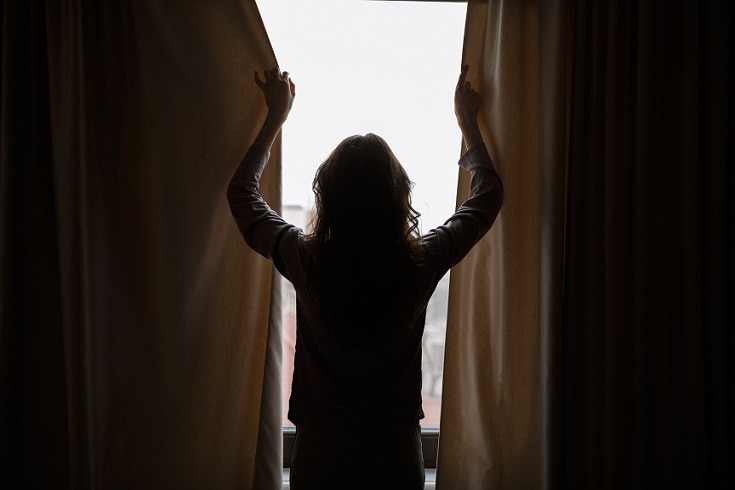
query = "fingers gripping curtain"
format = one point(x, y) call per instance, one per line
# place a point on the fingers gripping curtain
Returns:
point(504, 296)
point(164, 318)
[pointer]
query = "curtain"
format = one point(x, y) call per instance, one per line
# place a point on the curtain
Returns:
point(505, 296)
point(138, 330)
point(646, 356)
point(590, 340)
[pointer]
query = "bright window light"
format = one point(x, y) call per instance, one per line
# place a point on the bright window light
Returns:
point(387, 68)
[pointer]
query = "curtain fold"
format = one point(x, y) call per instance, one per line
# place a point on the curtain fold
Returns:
point(156, 335)
point(33, 420)
point(590, 338)
point(647, 366)
point(505, 295)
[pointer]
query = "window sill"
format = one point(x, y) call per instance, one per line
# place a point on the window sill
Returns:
point(430, 483)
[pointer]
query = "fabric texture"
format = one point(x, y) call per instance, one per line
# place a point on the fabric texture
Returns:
point(504, 297)
point(360, 384)
point(647, 356)
point(135, 324)
point(590, 338)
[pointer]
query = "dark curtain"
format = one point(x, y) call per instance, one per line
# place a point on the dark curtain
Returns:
point(138, 333)
point(645, 351)
point(33, 392)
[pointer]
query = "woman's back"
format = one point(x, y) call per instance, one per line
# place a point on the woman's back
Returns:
point(358, 345)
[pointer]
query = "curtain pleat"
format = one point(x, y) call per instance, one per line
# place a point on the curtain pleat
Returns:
point(161, 317)
point(34, 436)
point(269, 448)
point(504, 296)
point(590, 338)
point(647, 364)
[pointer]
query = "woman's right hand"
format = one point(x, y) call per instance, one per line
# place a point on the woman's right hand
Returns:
point(466, 107)
point(278, 91)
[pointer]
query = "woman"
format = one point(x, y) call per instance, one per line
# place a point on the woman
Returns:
point(363, 277)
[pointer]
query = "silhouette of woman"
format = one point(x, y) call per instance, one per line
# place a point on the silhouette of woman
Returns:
point(363, 276)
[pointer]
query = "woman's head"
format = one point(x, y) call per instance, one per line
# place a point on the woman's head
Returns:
point(364, 239)
point(363, 195)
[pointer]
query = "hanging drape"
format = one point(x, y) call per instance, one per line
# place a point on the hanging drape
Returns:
point(138, 330)
point(590, 338)
point(505, 296)
point(647, 370)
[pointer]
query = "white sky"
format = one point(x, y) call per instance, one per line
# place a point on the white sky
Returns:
point(362, 66)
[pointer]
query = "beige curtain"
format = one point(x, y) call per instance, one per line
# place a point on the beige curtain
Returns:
point(505, 295)
point(162, 318)
point(590, 339)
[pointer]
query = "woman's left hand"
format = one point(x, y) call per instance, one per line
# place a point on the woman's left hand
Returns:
point(279, 92)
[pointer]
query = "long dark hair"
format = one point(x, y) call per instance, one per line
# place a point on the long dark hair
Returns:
point(365, 239)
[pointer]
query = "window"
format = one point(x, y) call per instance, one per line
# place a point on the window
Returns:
point(368, 66)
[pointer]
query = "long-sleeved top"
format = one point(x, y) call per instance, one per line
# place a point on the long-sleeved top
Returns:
point(376, 384)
